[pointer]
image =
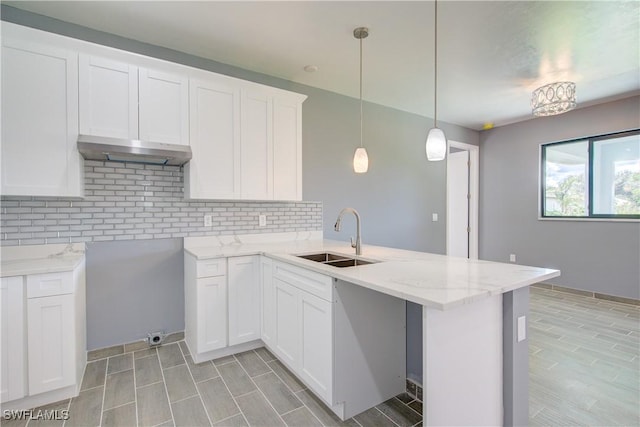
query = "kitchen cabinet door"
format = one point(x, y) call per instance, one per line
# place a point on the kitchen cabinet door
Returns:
point(212, 313)
point(287, 149)
point(256, 149)
point(51, 341)
point(316, 357)
point(108, 98)
point(12, 344)
point(244, 299)
point(287, 337)
point(268, 321)
point(214, 120)
point(164, 107)
point(39, 120)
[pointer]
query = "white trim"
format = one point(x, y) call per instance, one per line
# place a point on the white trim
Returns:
point(474, 189)
point(593, 219)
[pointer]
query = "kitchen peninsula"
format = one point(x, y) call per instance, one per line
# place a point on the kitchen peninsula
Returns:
point(474, 317)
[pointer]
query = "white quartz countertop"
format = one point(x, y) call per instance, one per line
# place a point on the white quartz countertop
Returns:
point(432, 280)
point(40, 259)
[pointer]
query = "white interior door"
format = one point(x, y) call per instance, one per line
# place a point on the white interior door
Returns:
point(457, 235)
point(458, 204)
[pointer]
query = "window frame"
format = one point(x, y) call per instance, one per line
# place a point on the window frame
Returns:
point(590, 215)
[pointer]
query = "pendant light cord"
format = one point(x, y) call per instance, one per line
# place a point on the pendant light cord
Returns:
point(435, 68)
point(360, 92)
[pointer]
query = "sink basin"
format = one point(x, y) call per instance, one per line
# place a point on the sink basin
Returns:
point(336, 260)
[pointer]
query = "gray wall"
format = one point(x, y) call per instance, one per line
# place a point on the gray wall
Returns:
point(594, 256)
point(150, 273)
point(396, 198)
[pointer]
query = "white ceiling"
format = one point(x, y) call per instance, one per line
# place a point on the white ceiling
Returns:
point(492, 54)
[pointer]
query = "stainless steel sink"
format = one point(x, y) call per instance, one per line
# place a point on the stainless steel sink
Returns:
point(336, 260)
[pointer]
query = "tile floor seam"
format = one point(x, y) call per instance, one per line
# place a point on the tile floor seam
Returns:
point(166, 390)
point(135, 390)
point(261, 392)
point(184, 356)
point(231, 394)
point(386, 416)
point(104, 390)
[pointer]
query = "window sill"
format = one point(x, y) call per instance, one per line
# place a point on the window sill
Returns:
point(546, 218)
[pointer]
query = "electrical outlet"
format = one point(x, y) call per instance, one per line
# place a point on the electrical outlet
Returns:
point(208, 221)
point(522, 328)
point(512, 258)
point(434, 217)
point(262, 220)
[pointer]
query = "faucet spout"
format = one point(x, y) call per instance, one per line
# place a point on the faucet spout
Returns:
point(358, 243)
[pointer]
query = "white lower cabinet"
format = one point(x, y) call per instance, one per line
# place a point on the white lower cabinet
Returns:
point(50, 335)
point(244, 299)
point(345, 342)
point(267, 321)
point(12, 358)
point(212, 313)
point(222, 305)
point(287, 317)
point(316, 349)
point(43, 337)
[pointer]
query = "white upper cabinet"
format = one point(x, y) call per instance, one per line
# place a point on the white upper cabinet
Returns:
point(214, 116)
point(121, 100)
point(246, 141)
point(287, 148)
point(108, 98)
point(164, 107)
point(39, 119)
point(256, 147)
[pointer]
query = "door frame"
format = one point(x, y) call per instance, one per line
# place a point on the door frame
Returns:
point(474, 187)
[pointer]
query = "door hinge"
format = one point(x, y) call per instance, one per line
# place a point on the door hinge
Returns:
point(469, 196)
point(468, 230)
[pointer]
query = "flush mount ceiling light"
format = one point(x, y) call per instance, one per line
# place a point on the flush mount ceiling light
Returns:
point(436, 145)
point(554, 98)
point(360, 157)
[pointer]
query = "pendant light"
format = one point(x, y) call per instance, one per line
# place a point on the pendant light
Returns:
point(360, 157)
point(436, 145)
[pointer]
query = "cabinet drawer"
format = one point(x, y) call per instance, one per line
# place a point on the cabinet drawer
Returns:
point(44, 285)
point(309, 281)
point(211, 267)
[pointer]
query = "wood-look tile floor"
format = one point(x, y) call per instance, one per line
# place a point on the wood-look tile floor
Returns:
point(163, 387)
point(584, 357)
point(584, 370)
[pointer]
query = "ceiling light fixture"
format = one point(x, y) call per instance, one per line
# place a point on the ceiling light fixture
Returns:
point(360, 157)
point(436, 145)
point(554, 98)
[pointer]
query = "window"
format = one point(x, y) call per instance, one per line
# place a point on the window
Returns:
point(597, 177)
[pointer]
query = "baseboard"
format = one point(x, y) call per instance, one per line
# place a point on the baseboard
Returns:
point(589, 294)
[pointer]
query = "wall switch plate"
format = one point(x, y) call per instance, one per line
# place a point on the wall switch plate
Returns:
point(512, 258)
point(262, 220)
point(434, 217)
point(522, 328)
point(208, 222)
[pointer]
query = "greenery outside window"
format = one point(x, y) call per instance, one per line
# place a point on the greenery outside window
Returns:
point(596, 177)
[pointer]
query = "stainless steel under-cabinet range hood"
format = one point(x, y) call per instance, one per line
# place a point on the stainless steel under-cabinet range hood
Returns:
point(132, 150)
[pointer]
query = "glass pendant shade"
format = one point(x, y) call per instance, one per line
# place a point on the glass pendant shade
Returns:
point(360, 160)
point(436, 145)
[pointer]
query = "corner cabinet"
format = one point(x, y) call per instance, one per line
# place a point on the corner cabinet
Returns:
point(43, 337)
point(39, 119)
point(246, 141)
point(345, 342)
